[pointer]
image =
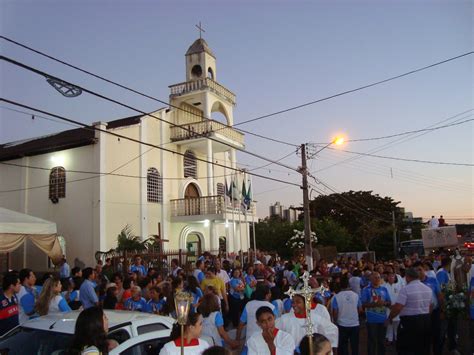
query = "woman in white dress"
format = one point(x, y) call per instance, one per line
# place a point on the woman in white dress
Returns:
point(192, 344)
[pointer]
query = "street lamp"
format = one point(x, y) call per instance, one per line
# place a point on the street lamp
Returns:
point(182, 301)
point(308, 250)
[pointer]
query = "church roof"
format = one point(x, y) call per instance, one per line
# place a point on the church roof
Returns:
point(199, 46)
point(72, 138)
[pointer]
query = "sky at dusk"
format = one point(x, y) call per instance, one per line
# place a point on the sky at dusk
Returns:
point(274, 55)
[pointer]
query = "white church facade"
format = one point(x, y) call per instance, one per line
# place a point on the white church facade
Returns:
point(177, 193)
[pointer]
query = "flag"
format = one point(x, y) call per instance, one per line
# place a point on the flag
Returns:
point(228, 192)
point(246, 196)
point(235, 193)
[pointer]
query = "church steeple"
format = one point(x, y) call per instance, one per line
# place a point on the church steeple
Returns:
point(200, 61)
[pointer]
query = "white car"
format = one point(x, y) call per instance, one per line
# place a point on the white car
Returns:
point(137, 334)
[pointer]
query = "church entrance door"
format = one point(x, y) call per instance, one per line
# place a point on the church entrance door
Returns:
point(193, 244)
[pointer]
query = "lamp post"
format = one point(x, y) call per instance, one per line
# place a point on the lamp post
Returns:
point(308, 250)
point(182, 301)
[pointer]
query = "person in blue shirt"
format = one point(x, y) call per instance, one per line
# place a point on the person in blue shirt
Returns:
point(375, 301)
point(138, 267)
point(136, 302)
point(27, 295)
point(87, 294)
point(443, 275)
point(192, 287)
point(437, 339)
point(156, 302)
point(64, 269)
point(236, 296)
point(8, 303)
point(50, 299)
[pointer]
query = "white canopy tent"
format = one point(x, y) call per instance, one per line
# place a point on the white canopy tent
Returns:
point(16, 228)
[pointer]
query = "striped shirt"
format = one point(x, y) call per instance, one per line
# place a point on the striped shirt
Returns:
point(416, 299)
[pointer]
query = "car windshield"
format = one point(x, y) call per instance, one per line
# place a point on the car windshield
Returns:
point(23, 341)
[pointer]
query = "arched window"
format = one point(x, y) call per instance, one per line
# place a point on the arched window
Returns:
point(57, 184)
point(220, 189)
point(154, 184)
point(190, 165)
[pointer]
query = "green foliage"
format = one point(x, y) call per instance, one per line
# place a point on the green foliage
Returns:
point(273, 234)
point(127, 241)
point(366, 217)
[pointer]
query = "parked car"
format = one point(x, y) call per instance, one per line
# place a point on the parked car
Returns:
point(137, 334)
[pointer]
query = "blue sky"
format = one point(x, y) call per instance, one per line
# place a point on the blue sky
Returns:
point(273, 55)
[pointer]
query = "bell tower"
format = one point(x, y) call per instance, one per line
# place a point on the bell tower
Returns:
point(200, 61)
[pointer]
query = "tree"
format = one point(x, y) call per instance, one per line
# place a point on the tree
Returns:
point(367, 218)
point(127, 241)
point(273, 234)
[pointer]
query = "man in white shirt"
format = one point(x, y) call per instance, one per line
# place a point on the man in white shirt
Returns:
point(222, 274)
point(346, 307)
point(271, 341)
point(433, 222)
point(262, 296)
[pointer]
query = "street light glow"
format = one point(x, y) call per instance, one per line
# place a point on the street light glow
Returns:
point(339, 141)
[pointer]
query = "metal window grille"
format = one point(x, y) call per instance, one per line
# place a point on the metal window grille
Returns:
point(190, 166)
point(154, 183)
point(57, 183)
point(220, 189)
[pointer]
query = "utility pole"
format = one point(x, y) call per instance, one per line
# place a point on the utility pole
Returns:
point(395, 249)
point(308, 250)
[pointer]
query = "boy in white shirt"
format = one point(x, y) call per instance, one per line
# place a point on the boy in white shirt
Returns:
point(270, 340)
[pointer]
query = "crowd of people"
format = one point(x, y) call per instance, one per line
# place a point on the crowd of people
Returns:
point(242, 305)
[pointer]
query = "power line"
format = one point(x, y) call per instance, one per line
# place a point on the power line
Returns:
point(133, 90)
point(138, 141)
point(404, 159)
point(354, 90)
point(410, 132)
point(397, 141)
point(448, 186)
point(44, 74)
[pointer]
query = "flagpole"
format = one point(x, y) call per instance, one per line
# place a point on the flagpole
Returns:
point(240, 223)
point(232, 207)
point(253, 221)
point(247, 228)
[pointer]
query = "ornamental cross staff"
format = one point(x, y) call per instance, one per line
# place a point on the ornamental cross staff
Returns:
point(307, 292)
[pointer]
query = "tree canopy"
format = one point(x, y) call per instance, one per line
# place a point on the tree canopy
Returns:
point(350, 221)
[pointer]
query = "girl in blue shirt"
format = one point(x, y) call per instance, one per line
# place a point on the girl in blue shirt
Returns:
point(193, 288)
point(50, 299)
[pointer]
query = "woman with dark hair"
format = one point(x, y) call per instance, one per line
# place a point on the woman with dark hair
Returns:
point(192, 286)
point(90, 334)
point(213, 322)
point(192, 344)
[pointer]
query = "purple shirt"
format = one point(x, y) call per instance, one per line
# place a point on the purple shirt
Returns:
point(416, 299)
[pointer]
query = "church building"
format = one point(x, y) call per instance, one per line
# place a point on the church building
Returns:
point(178, 194)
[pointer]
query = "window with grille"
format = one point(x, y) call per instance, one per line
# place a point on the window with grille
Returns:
point(220, 189)
point(154, 183)
point(57, 183)
point(190, 165)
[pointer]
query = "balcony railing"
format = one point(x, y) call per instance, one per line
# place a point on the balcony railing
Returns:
point(207, 205)
point(205, 83)
point(205, 129)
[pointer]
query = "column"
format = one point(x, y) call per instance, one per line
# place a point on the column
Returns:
point(210, 170)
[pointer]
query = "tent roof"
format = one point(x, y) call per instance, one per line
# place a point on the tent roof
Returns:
point(13, 222)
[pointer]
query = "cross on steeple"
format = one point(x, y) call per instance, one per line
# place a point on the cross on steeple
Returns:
point(200, 29)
